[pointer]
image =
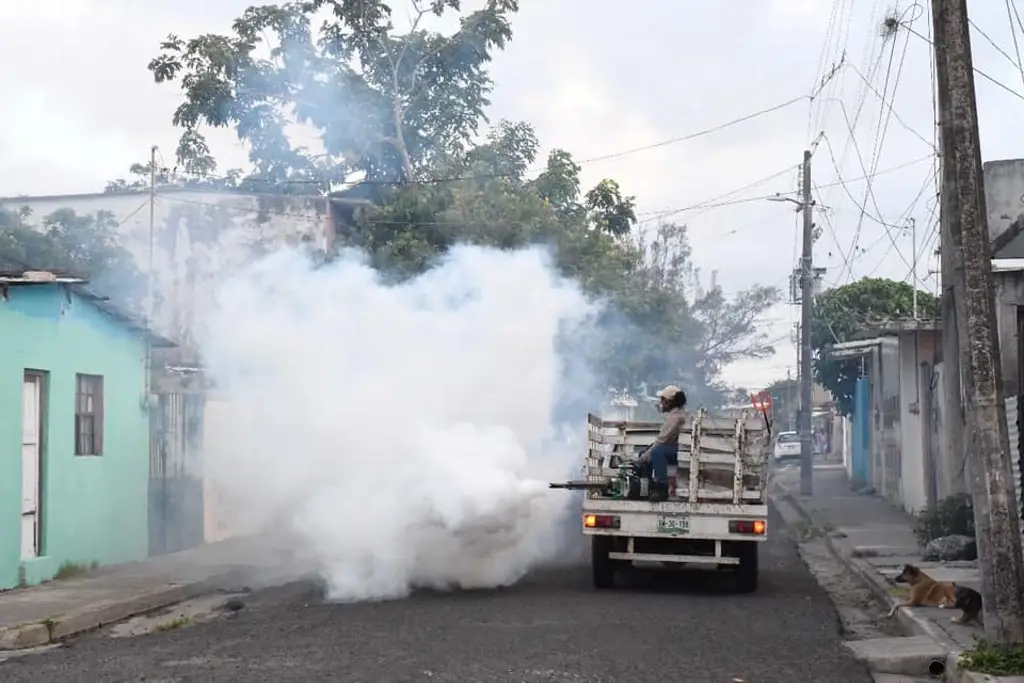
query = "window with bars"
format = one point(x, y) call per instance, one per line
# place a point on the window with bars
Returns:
point(88, 415)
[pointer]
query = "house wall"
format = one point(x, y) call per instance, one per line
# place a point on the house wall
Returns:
point(1004, 194)
point(860, 438)
point(1009, 287)
point(886, 440)
point(915, 349)
point(94, 508)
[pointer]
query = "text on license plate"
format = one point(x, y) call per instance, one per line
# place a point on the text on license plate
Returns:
point(674, 525)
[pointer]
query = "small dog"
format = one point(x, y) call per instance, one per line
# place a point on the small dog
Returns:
point(968, 601)
point(924, 590)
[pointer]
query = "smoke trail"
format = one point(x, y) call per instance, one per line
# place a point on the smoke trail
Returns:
point(404, 433)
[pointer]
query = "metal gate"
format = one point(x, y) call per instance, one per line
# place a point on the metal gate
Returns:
point(175, 472)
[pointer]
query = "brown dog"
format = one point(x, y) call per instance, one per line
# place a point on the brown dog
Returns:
point(924, 590)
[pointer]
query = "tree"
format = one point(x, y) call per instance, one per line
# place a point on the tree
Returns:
point(785, 395)
point(390, 105)
point(401, 112)
point(675, 330)
point(841, 313)
point(84, 245)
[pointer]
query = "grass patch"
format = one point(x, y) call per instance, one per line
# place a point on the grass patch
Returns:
point(69, 570)
point(173, 624)
point(994, 659)
point(899, 591)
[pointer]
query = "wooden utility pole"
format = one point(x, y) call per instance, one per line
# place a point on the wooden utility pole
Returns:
point(954, 456)
point(968, 265)
point(806, 302)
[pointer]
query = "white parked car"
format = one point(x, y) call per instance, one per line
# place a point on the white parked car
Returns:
point(787, 446)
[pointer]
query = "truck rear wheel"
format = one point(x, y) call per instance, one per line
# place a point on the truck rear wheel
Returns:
point(601, 564)
point(746, 572)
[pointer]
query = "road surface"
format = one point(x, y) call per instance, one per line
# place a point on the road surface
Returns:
point(552, 627)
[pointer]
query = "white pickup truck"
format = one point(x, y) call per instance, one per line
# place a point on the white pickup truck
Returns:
point(716, 514)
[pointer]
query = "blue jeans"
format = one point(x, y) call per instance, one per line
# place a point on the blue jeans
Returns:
point(661, 457)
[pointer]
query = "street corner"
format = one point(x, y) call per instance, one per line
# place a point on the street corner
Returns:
point(24, 636)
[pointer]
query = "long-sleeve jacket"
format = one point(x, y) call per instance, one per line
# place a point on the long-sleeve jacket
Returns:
point(675, 419)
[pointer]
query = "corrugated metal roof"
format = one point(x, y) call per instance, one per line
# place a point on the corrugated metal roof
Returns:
point(28, 278)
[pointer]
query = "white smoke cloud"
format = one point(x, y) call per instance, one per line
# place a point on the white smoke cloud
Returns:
point(404, 433)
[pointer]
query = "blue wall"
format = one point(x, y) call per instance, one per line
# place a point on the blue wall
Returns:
point(94, 508)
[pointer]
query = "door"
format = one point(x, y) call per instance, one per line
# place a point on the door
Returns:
point(31, 465)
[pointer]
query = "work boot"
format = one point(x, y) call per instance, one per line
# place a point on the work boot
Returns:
point(659, 492)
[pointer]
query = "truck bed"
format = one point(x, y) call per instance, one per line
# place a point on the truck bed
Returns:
point(721, 459)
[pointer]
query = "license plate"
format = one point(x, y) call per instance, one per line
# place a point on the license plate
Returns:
point(674, 525)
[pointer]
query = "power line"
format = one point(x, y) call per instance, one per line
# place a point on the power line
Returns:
point(1011, 11)
point(990, 41)
point(861, 207)
point(978, 71)
point(540, 169)
point(703, 205)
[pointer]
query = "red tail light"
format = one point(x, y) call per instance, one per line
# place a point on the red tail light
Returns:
point(601, 521)
point(757, 527)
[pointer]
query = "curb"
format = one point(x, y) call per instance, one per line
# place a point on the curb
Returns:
point(61, 626)
point(910, 623)
point(972, 677)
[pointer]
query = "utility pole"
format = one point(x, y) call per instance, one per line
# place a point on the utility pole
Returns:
point(967, 265)
point(806, 302)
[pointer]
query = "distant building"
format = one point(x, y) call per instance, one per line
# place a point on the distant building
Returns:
point(200, 234)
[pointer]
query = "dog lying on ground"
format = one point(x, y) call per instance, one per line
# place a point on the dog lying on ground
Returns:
point(927, 592)
point(967, 601)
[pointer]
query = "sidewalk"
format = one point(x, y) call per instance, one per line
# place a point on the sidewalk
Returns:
point(875, 539)
point(38, 615)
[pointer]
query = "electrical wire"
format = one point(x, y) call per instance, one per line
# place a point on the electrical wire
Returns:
point(881, 131)
point(863, 210)
point(1011, 10)
point(994, 44)
point(978, 71)
point(540, 169)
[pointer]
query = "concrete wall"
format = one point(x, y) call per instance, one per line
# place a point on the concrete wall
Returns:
point(912, 467)
point(94, 508)
point(1009, 286)
point(915, 348)
point(1004, 193)
point(198, 237)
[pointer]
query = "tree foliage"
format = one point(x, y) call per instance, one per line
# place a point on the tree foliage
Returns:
point(785, 395)
point(840, 314)
point(402, 112)
point(392, 105)
point(83, 245)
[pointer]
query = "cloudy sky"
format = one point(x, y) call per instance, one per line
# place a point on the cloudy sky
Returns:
point(80, 106)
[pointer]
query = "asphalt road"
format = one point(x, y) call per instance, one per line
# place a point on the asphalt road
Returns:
point(552, 627)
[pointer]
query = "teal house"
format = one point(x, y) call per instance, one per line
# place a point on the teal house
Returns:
point(74, 429)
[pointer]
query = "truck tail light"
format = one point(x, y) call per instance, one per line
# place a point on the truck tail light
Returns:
point(601, 521)
point(756, 527)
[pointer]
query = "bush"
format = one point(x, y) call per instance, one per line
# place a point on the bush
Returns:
point(994, 659)
point(953, 515)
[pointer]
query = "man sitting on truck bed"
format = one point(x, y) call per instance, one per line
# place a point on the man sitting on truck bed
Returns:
point(665, 449)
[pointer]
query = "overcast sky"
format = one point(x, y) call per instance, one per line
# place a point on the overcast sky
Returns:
point(595, 77)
